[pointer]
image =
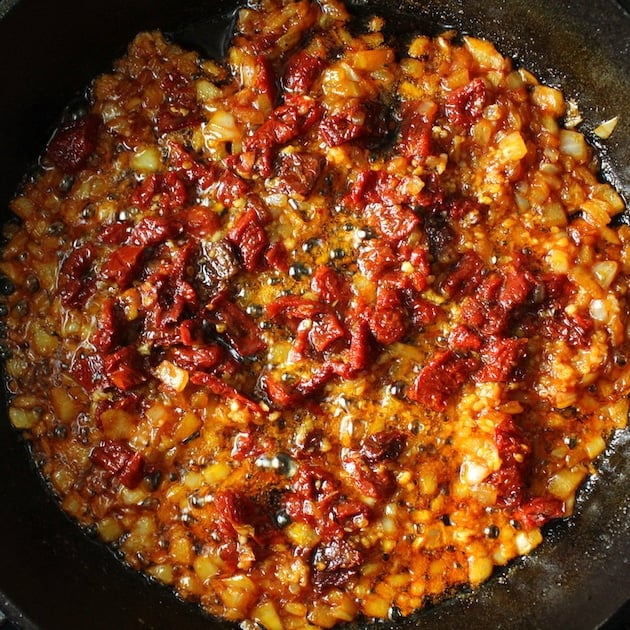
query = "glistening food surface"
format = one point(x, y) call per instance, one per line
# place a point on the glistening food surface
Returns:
point(324, 331)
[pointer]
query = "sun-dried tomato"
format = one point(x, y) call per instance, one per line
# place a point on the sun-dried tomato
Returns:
point(87, 370)
point(151, 231)
point(297, 173)
point(110, 327)
point(350, 514)
point(122, 264)
point(199, 221)
point(313, 492)
point(395, 223)
point(191, 331)
point(432, 196)
point(465, 105)
point(488, 291)
point(169, 189)
point(252, 443)
point(144, 192)
point(495, 299)
point(290, 394)
point(367, 465)
point(293, 308)
point(177, 88)
point(303, 110)
point(114, 233)
point(311, 386)
point(334, 562)
point(215, 264)
point(247, 163)
point(459, 207)
point(364, 121)
point(326, 329)
point(120, 460)
point(461, 338)
point(575, 329)
point(237, 327)
point(481, 310)
point(173, 120)
point(265, 81)
point(77, 280)
point(124, 368)
point(359, 352)
point(441, 238)
point(277, 256)
point(500, 357)
point(204, 358)
point(511, 478)
point(387, 321)
point(237, 510)
point(278, 394)
point(73, 144)
point(174, 191)
point(178, 110)
point(465, 276)
point(286, 122)
point(539, 510)
point(376, 258)
point(418, 256)
point(234, 507)
point(185, 162)
point(332, 287)
point(422, 311)
point(384, 445)
point(242, 520)
point(301, 72)
point(370, 478)
point(250, 239)
point(416, 137)
point(377, 187)
point(440, 378)
point(175, 297)
point(230, 187)
point(223, 389)
point(517, 286)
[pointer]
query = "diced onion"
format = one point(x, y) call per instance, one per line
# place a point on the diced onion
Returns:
point(549, 99)
point(605, 272)
point(605, 129)
point(222, 127)
point(267, 615)
point(573, 143)
point(484, 53)
point(513, 147)
point(472, 473)
point(564, 483)
point(146, 160)
point(526, 541)
point(598, 310)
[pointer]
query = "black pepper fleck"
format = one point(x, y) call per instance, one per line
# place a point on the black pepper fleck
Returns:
point(31, 284)
point(492, 531)
point(6, 286)
point(298, 270)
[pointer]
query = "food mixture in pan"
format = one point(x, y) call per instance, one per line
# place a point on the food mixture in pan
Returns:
point(323, 331)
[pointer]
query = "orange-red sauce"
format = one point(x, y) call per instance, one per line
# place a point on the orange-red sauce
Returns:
point(325, 330)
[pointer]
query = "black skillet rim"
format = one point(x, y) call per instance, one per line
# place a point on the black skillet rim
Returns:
point(589, 22)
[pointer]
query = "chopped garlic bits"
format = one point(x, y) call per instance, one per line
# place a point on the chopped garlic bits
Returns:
point(322, 331)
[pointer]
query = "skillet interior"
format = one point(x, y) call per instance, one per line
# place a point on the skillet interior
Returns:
point(49, 51)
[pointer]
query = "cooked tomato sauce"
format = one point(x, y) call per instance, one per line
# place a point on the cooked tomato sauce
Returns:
point(325, 330)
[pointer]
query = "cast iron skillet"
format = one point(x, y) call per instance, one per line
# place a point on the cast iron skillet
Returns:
point(51, 574)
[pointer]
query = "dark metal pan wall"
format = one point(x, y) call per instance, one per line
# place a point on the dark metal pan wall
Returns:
point(51, 574)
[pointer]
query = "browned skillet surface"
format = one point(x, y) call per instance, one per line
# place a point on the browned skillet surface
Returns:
point(51, 575)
